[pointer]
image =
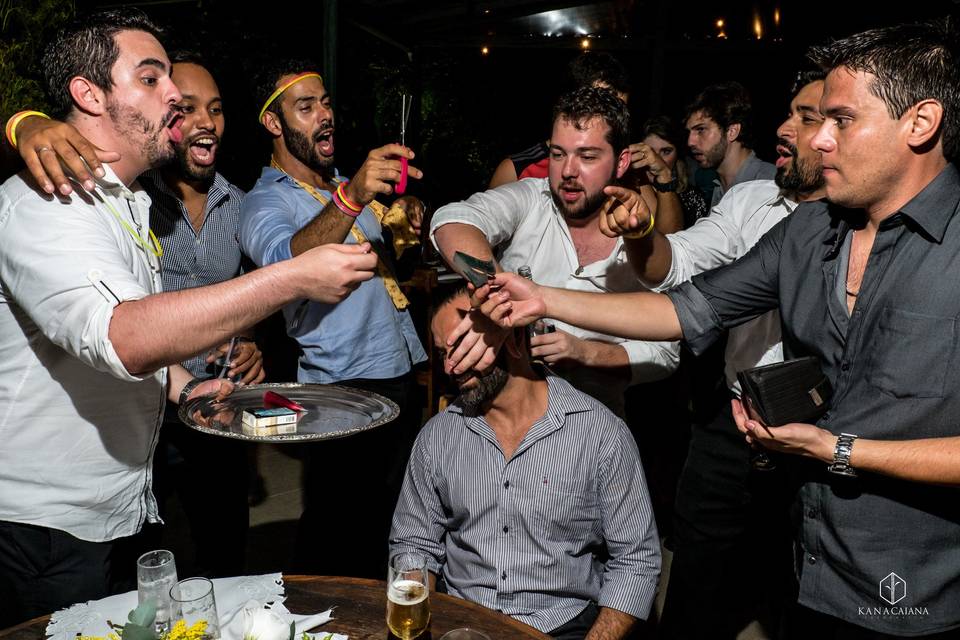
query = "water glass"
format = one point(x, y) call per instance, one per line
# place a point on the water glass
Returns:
point(408, 602)
point(156, 574)
point(194, 597)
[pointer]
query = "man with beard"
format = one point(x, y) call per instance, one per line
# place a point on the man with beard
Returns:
point(550, 224)
point(369, 342)
point(861, 281)
point(195, 213)
point(88, 343)
point(729, 541)
point(720, 123)
point(528, 497)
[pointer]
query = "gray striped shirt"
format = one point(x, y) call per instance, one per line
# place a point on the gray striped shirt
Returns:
point(565, 521)
point(191, 258)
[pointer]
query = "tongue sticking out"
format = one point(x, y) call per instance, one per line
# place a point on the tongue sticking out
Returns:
point(175, 134)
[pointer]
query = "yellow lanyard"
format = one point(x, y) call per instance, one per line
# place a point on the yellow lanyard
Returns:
point(400, 301)
point(154, 246)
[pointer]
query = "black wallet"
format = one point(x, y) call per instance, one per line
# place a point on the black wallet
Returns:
point(791, 391)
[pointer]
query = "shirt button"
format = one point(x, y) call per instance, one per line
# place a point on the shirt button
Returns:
point(506, 484)
point(506, 528)
point(811, 560)
point(811, 513)
point(503, 576)
point(844, 366)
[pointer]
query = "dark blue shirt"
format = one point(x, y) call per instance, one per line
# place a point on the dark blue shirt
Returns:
point(895, 366)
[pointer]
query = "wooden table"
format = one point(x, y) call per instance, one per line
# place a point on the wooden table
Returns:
point(360, 612)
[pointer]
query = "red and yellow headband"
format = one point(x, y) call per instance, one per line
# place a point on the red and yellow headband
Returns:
point(284, 87)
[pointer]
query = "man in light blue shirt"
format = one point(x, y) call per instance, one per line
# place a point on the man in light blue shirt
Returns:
point(370, 343)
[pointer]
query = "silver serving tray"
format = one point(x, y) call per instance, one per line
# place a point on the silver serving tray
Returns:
point(332, 412)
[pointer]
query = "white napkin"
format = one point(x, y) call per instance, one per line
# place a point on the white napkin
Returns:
point(232, 594)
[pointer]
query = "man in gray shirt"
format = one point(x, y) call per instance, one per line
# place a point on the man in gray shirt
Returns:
point(720, 122)
point(528, 497)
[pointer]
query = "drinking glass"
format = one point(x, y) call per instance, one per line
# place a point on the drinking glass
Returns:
point(196, 601)
point(156, 574)
point(466, 633)
point(408, 604)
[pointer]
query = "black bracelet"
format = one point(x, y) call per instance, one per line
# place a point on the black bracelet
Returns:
point(188, 389)
point(666, 187)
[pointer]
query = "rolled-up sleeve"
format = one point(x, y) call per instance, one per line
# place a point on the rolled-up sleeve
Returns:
point(61, 265)
point(418, 520)
point(632, 570)
point(497, 213)
point(729, 296)
point(267, 223)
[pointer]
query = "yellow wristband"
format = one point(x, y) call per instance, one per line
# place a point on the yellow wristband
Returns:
point(636, 235)
point(15, 119)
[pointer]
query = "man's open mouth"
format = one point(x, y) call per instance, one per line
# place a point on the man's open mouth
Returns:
point(203, 149)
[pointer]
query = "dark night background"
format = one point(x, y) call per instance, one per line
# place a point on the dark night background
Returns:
point(471, 109)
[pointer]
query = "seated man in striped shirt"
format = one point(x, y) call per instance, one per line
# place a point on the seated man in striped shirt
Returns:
point(528, 497)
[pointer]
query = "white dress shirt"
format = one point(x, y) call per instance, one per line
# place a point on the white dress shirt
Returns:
point(77, 430)
point(746, 212)
point(525, 227)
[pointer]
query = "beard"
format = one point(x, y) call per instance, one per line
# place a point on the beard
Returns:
point(305, 150)
point(487, 388)
point(591, 203)
point(713, 156)
point(133, 126)
point(798, 176)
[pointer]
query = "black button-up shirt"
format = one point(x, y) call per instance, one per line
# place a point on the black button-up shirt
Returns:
point(895, 367)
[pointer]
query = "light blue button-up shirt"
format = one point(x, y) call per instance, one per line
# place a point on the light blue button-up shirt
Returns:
point(365, 335)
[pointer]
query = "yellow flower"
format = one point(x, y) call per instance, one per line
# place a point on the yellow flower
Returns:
point(181, 632)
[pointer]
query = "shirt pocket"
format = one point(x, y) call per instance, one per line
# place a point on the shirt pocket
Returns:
point(910, 354)
point(565, 510)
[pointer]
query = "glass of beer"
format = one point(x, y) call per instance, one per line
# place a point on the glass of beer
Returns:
point(408, 607)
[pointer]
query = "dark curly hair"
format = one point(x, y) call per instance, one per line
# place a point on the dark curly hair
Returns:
point(583, 104)
point(727, 104)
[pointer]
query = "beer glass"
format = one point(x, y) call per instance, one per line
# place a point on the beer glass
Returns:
point(408, 604)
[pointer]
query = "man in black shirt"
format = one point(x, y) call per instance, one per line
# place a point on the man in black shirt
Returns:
point(865, 284)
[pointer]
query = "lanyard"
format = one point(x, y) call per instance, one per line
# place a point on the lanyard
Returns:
point(154, 246)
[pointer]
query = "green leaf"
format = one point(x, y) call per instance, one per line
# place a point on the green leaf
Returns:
point(145, 614)
point(136, 632)
point(293, 631)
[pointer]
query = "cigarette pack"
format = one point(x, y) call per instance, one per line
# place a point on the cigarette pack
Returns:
point(269, 422)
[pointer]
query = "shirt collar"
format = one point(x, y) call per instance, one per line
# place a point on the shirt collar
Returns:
point(562, 400)
point(219, 189)
point(112, 185)
point(934, 207)
point(270, 174)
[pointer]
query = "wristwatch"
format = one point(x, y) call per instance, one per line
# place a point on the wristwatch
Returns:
point(841, 456)
point(188, 389)
point(665, 187)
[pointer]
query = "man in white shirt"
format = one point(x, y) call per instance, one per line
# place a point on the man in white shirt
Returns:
point(722, 519)
point(550, 224)
point(88, 344)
